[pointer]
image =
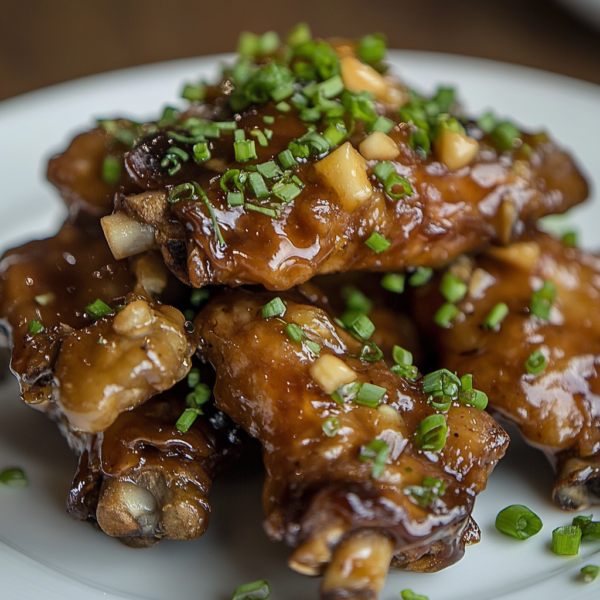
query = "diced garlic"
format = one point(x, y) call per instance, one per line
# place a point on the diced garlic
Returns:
point(379, 146)
point(134, 320)
point(344, 171)
point(521, 254)
point(359, 77)
point(329, 372)
point(455, 150)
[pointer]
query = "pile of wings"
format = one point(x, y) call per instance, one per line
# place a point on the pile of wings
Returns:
point(312, 255)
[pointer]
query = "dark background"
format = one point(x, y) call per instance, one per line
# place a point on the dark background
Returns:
point(48, 41)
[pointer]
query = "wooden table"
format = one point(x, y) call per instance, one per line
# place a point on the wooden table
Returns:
point(44, 42)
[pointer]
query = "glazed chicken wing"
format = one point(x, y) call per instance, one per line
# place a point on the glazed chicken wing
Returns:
point(349, 484)
point(282, 173)
point(143, 480)
point(539, 363)
point(88, 339)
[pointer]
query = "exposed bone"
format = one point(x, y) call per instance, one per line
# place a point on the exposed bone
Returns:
point(358, 567)
point(126, 236)
point(577, 484)
point(312, 556)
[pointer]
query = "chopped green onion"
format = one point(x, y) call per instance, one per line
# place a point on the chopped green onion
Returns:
point(487, 122)
point(566, 540)
point(589, 573)
point(440, 403)
point(201, 152)
point(309, 114)
point(331, 426)
point(235, 198)
point(386, 173)
point(505, 134)
point(536, 363)
point(376, 452)
point(570, 239)
point(283, 106)
point(377, 242)
point(452, 288)
point(410, 595)
point(466, 382)
point(356, 300)
point(370, 395)
point(257, 590)
point(14, 478)
point(420, 276)
point(370, 352)
point(286, 159)
point(245, 150)
point(270, 170)
point(361, 325)
point(347, 391)
point(261, 137)
point(98, 309)
point(187, 418)
point(270, 212)
point(475, 398)
point(393, 282)
point(431, 433)
point(445, 314)
point(193, 378)
point(274, 308)
point(194, 92)
point(201, 194)
point(335, 134)
point(441, 382)
point(424, 494)
point(518, 521)
point(382, 124)
point(226, 125)
point(542, 300)
point(496, 316)
point(298, 35)
point(111, 169)
point(313, 347)
point(198, 297)
point(408, 371)
point(258, 185)
point(295, 332)
point(268, 119)
point(372, 48)
point(185, 191)
point(286, 191)
point(231, 175)
point(34, 327)
point(402, 356)
point(169, 117)
point(179, 153)
point(200, 395)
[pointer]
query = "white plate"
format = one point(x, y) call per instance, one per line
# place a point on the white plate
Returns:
point(44, 555)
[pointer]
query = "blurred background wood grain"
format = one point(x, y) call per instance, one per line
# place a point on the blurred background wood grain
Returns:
point(44, 42)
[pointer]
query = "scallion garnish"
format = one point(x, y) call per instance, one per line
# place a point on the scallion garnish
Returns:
point(402, 356)
point(386, 173)
point(377, 242)
point(261, 137)
point(245, 150)
point(235, 199)
point(441, 383)
point(370, 352)
point(359, 324)
point(505, 134)
point(335, 134)
point(445, 314)
point(14, 478)
point(193, 378)
point(410, 595)
point(424, 494)
point(270, 170)
point(98, 309)
point(201, 152)
point(283, 106)
point(376, 452)
point(475, 398)
point(187, 418)
point(356, 300)
point(393, 282)
point(452, 288)
point(286, 159)
point(274, 308)
point(197, 297)
point(566, 540)
point(589, 573)
point(420, 276)
point(268, 119)
point(496, 316)
point(370, 395)
point(257, 590)
point(542, 300)
point(286, 191)
point(270, 212)
point(198, 396)
point(111, 169)
point(384, 125)
point(34, 327)
point(372, 48)
point(295, 332)
point(518, 521)
point(589, 529)
point(431, 433)
point(313, 347)
point(194, 92)
point(331, 426)
point(570, 239)
point(347, 391)
point(487, 122)
point(258, 185)
point(408, 371)
point(536, 363)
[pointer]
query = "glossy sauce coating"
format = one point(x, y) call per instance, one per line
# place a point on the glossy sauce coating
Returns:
point(558, 410)
point(92, 369)
point(143, 480)
point(449, 212)
point(315, 482)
